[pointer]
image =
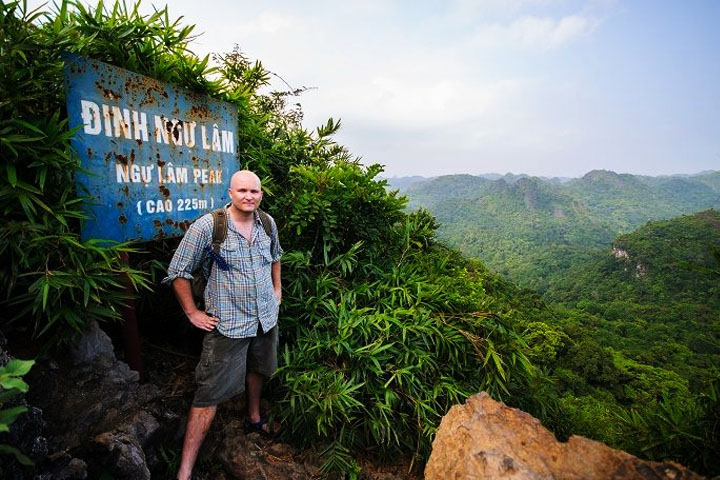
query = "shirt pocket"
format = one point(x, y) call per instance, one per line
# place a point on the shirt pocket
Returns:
point(263, 248)
point(229, 253)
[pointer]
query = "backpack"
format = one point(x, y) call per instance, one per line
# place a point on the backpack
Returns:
point(219, 234)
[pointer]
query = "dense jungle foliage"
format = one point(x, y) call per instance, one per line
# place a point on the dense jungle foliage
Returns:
point(383, 327)
point(653, 297)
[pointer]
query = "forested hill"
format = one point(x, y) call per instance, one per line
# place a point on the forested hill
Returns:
point(526, 227)
point(654, 295)
point(659, 260)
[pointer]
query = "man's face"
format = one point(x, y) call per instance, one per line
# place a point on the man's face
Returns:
point(245, 193)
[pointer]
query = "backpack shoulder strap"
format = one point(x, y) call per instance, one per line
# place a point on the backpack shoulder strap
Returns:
point(219, 228)
point(267, 226)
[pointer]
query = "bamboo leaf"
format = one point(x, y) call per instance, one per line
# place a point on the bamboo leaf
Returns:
point(11, 174)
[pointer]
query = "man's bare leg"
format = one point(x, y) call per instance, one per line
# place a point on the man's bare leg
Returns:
point(254, 383)
point(254, 390)
point(199, 421)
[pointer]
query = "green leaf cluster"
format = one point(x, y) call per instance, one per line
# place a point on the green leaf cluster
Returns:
point(377, 359)
point(679, 428)
point(11, 385)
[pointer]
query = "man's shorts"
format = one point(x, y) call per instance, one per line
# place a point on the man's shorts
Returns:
point(220, 374)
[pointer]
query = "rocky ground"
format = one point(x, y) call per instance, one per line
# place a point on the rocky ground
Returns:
point(90, 417)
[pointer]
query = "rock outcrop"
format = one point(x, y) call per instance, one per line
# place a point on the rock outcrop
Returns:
point(99, 418)
point(486, 439)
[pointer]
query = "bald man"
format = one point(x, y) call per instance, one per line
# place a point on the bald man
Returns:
point(242, 299)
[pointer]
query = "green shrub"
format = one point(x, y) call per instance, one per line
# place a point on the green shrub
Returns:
point(377, 357)
point(679, 428)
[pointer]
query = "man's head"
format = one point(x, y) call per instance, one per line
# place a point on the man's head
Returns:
point(245, 191)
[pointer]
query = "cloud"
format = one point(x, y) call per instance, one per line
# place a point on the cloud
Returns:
point(542, 33)
point(269, 22)
point(499, 7)
point(412, 103)
point(413, 87)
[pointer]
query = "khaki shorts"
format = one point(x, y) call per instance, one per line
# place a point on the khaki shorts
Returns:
point(220, 374)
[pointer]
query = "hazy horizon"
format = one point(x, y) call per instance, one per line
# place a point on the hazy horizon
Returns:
point(680, 174)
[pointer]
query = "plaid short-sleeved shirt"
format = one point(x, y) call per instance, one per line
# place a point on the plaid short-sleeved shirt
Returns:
point(239, 289)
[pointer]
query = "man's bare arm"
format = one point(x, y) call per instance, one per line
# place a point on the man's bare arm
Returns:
point(183, 292)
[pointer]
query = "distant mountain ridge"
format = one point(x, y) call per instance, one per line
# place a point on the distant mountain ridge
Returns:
point(521, 225)
point(401, 183)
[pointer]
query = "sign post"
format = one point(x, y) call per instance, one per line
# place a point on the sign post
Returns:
point(154, 157)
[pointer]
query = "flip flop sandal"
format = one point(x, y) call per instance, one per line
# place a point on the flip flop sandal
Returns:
point(262, 427)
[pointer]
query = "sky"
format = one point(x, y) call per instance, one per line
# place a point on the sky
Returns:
point(541, 87)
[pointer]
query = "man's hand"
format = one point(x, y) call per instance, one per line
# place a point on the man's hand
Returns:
point(202, 320)
point(278, 294)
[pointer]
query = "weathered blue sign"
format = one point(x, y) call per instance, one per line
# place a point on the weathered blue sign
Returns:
point(155, 156)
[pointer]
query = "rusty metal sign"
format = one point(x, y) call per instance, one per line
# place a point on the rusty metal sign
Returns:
point(154, 156)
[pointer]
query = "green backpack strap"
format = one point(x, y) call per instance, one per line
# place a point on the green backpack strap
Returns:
point(219, 228)
point(267, 226)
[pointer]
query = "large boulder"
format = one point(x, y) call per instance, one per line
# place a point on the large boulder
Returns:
point(486, 439)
